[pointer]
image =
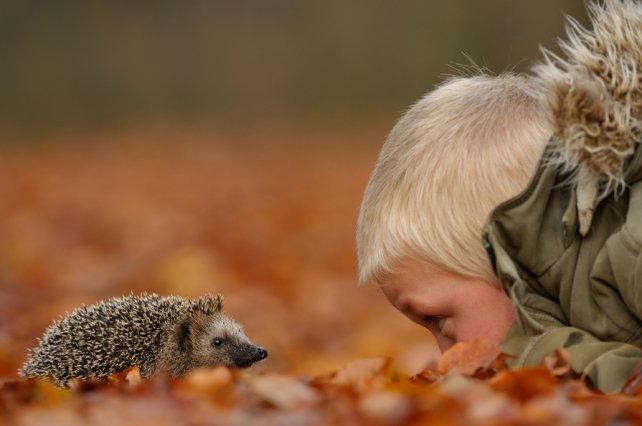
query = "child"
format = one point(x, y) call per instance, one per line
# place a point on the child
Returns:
point(565, 250)
point(456, 154)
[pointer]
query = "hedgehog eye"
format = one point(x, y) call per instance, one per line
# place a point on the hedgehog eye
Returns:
point(217, 342)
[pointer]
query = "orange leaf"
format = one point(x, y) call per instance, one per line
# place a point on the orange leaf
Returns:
point(559, 364)
point(633, 385)
point(284, 392)
point(209, 379)
point(361, 374)
point(129, 377)
point(468, 357)
point(524, 383)
point(388, 407)
point(426, 377)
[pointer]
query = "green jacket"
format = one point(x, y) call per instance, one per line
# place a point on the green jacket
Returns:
point(568, 249)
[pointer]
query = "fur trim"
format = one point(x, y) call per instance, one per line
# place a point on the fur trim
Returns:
point(595, 98)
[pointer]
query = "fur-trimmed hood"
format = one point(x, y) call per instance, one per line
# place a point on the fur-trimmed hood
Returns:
point(595, 99)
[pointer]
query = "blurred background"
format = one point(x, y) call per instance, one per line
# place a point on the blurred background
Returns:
point(86, 63)
point(222, 146)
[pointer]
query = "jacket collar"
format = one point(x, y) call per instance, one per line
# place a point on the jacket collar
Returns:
point(594, 95)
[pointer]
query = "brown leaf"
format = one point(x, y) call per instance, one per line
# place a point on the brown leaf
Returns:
point(209, 379)
point(524, 383)
point(361, 374)
point(284, 392)
point(76, 384)
point(132, 376)
point(469, 357)
point(129, 378)
point(271, 228)
point(388, 407)
point(426, 377)
point(16, 391)
point(633, 385)
point(559, 364)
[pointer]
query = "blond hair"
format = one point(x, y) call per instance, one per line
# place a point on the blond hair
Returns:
point(456, 154)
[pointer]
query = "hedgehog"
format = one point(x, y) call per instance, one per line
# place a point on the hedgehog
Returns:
point(171, 334)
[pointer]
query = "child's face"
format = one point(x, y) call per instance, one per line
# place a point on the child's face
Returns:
point(453, 307)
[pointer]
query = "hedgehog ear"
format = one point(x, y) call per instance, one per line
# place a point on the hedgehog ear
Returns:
point(210, 304)
point(183, 333)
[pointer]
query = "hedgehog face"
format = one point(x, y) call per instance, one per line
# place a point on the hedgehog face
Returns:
point(219, 340)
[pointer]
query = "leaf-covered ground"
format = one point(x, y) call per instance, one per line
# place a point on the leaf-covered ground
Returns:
point(266, 218)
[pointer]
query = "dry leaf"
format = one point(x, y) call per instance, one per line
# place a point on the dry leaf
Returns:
point(283, 392)
point(132, 376)
point(524, 383)
point(129, 378)
point(209, 379)
point(468, 357)
point(559, 364)
point(633, 385)
point(272, 229)
point(387, 407)
point(426, 377)
point(361, 374)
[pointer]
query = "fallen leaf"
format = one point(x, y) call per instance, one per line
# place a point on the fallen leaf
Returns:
point(132, 376)
point(525, 383)
point(468, 357)
point(633, 385)
point(361, 374)
point(284, 392)
point(559, 364)
point(129, 378)
point(274, 234)
point(209, 379)
point(426, 377)
point(387, 407)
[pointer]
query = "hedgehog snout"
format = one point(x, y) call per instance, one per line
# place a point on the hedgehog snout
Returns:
point(261, 353)
point(256, 354)
point(248, 355)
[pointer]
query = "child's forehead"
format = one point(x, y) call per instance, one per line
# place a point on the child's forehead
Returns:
point(410, 268)
point(417, 282)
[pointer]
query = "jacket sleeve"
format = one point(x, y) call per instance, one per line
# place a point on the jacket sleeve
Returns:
point(620, 262)
point(607, 364)
point(543, 325)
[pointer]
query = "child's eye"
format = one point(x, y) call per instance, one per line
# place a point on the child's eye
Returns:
point(217, 342)
point(435, 322)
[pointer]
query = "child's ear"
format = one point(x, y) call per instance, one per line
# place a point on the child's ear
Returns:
point(209, 304)
point(183, 334)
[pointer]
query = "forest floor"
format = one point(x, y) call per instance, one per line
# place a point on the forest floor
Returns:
point(266, 218)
